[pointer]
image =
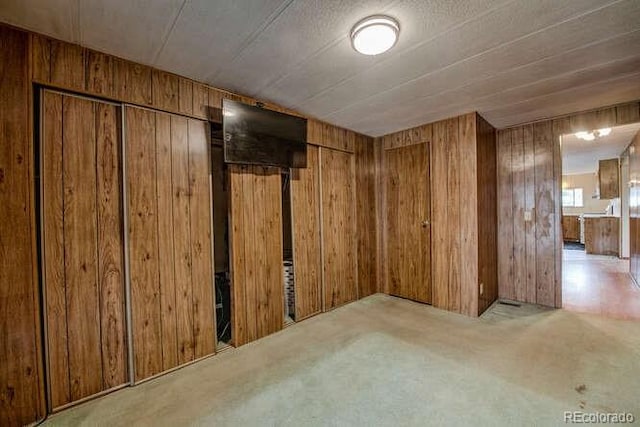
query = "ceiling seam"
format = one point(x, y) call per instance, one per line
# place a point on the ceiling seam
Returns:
point(408, 49)
point(253, 36)
point(165, 40)
point(317, 52)
point(478, 81)
point(507, 43)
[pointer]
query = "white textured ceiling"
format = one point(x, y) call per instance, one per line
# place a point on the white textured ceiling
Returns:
point(579, 156)
point(511, 60)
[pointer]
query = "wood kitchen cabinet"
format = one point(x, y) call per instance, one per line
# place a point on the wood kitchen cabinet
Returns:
point(601, 235)
point(608, 179)
point(571, 228)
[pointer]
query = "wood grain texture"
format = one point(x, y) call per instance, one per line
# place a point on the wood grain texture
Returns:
point(68, 65)
point(338, 227)
point(165, 91)
point(185, 96)
point(40, 58)
point(22, 398)
point(505, 216)
point(601, 235)
point(366, 216)
point(110, 247)
point(305, 203)
point(609, 178)
point(256, 252)
point(140, 140)
point(571, 228)
point(132, 82)
point(201, 235)
point(82, 234)
point(634, 208)
point(100, 72)
point(166, 252)
point(53, 238)
point(408, 235)
point(200, 100)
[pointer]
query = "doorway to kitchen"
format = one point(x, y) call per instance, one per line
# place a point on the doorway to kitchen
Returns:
point(597, 207)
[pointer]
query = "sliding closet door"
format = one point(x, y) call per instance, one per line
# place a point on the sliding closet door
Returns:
point(256, 252)
point(408, 222)
point(339, 254)
point(170, 255)
point(82, 247)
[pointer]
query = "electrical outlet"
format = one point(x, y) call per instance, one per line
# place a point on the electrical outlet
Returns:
point(481, 288)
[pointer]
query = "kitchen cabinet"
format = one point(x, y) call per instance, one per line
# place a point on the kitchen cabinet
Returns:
point(571, 228)
point(601, 235)
point(608, 179)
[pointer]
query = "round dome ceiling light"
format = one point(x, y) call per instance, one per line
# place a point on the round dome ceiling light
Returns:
point(375, 34)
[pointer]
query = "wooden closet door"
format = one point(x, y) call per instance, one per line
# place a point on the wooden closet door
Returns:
point(83, 249)
point(307, 263)
point(408, 222)
point(256, 252)
point(339, 242)
point(170, 255)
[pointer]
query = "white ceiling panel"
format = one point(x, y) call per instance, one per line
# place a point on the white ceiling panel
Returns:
point(54, 18)
point(134, 30)
point(209, 34)
point(579, 156)
point(511, 60)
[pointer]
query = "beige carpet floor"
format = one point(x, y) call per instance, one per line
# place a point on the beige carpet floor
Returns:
point(385, 361)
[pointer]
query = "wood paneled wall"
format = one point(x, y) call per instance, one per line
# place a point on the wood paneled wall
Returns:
point(634, 207)
point(463, 213)
point(83, 250)
point(31, 58)
point(307, 259)
point(170, 257)
point(529, 180)
point(339, 244)
point(367, 225)
point(256, 252)
point(22, 397)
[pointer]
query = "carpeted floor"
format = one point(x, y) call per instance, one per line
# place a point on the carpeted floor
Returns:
point(390, 362)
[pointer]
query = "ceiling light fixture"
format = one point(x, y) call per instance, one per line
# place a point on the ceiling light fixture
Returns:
point(375, 34)
point(590, 136)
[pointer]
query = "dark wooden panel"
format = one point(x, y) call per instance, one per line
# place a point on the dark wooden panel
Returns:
point(408, 236)
point(469, 188)
point(53, 237)
point(545, 214)
point(338, 227)
point(601, 235)
point(110, 247)
point(505, 216)
point(100, 73)
point(530, 205)
point(185, 96)
point(182, 237)
point(21, 391)
point(628, 113)
point(80, 243)
point(132, 82)
point(165, 91)
point(271, 309)
point(518, 211)
point(305, 199)
point(571, 228)
point(40, 58)
point(200, 226)
point(68, 65)
point(166, 253)
point(200, 100)
point(239, 188)
point(366, 216)
point(143, 241)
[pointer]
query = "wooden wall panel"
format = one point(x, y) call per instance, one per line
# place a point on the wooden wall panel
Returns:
point(21, 380)
point(84, 268)
point(506, 287)
point(201, 239)
point(305, 205)
point(100, 74)
point(256, 252)
point(132, 82)
point(634, 208)
point(366, 216)
point(338, 227)
point(171, 272)
point(40, 58)
point(68, 65)
point(165, 91)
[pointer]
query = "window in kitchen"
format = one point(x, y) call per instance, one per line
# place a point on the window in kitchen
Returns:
point(572, 198)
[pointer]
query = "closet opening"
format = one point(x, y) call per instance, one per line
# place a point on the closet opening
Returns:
point(288, 279)
point(220, 190)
